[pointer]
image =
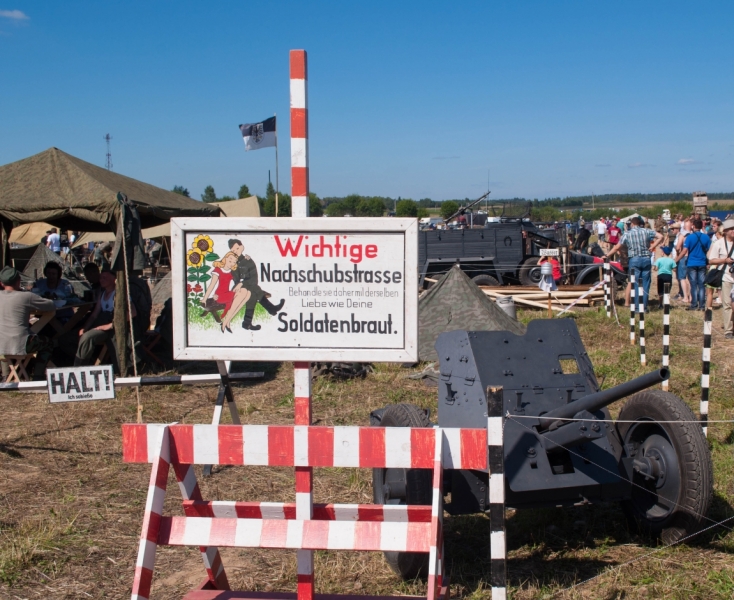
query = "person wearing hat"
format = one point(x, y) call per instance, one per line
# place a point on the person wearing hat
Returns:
point(722, 253)
point(16, 308)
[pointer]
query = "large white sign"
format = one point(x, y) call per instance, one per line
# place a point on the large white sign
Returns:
point(295, 289)
point(74, 384)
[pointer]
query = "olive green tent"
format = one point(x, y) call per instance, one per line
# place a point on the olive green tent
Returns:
point(455, 302)
point(69, 193)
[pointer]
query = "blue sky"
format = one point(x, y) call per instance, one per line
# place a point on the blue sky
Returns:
point(411, 99)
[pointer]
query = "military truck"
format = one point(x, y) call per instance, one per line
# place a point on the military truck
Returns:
point(506, 250)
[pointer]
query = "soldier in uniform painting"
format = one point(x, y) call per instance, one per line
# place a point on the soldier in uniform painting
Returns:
point(245, 276)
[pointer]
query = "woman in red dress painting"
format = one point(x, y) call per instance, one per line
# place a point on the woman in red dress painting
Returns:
point(221, 288)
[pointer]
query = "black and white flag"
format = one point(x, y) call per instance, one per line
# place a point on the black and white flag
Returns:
point(259, 135)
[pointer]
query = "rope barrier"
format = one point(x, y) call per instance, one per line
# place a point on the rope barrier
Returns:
point(613, 420)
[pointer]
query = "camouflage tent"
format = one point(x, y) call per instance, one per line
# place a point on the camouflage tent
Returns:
point(455, 302)
point(69, 193)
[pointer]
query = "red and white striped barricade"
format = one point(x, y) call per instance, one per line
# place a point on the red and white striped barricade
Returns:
point(210, 525)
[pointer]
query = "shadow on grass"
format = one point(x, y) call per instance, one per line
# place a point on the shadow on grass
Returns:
point(554, 548)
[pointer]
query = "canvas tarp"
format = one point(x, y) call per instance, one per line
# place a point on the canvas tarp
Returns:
point(29, 234)
point(57, 188)
point(455, 302)
point(244, 207)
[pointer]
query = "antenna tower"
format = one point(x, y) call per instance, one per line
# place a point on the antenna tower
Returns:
point(107, 138)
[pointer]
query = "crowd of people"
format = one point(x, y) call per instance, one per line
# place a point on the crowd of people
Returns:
point(695, 253)
point(54, 297)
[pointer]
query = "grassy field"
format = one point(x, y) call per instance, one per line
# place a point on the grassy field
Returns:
point(72, 510)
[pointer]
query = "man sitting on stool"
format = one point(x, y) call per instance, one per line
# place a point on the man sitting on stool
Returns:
point(99, 328)
point(16, 307)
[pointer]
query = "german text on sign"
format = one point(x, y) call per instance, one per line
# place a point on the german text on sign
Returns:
point(75, 384)
point(307, 288)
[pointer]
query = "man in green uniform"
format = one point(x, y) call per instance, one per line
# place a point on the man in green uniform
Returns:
point(245, 276)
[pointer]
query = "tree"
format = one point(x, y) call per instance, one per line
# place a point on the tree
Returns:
point(244, 192)
point(314, 205)
point(370, 207)
point(406, 208)
point(209, 194)
point(423, 213)
point(284, 205)
point(226, 199)
point(270, 191)
point(179, 189)
point(448, 208)
point(336, 209)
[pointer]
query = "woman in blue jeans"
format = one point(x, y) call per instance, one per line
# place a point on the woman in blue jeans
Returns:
point(695, 248)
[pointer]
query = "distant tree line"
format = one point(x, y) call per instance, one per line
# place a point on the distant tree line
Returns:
point(547, 209)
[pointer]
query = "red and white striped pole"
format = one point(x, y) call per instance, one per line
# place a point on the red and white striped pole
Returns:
point(302, 370)
point(299, 133)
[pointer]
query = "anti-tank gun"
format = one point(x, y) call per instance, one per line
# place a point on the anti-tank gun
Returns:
point(561, 446)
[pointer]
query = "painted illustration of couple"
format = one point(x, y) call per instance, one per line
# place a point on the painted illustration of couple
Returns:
point(235, 284)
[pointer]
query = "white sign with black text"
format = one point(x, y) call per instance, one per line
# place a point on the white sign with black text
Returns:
point(295, 289)
point(75, 384)
point(549, 252)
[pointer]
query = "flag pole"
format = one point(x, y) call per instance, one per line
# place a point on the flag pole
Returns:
point(277, 185)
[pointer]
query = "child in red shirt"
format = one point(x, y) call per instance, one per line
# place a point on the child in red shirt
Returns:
point(557, 275)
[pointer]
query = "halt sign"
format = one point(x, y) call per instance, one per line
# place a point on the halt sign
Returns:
point(337, 289)
point(74, 384)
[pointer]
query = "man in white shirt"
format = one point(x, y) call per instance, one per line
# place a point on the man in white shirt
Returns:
point(53, 242)
point(722, 253)
point(601, 230)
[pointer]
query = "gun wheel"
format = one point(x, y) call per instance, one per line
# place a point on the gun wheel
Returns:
point(404, 486)
point(671, 464)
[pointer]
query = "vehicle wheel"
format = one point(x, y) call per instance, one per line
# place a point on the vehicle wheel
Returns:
point(530, 272)
point(404, 486)
point(484, 279)
point(589, 276)
point(672, 466)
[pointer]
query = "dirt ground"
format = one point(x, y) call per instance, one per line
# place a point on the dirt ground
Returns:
point(72, 510)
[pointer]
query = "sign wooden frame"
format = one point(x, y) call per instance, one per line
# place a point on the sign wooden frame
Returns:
point(184, 228)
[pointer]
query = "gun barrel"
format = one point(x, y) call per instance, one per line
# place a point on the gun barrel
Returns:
point(594, 402)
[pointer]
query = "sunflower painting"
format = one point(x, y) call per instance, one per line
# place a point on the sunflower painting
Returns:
point(197, 257)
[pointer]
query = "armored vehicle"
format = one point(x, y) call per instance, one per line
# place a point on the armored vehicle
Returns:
point(561, 446)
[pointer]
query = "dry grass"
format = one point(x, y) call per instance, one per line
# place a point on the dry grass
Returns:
point(71, 510)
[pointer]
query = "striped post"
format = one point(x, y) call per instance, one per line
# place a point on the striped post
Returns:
point(302, 375)
point(633, 308)
point(607, 291)
point(639, 300)
point(705, 370)
point(435, 555)
point(304, 474)
point(152, 518)
point(495, 442)
point(666, 331)
point(299, 133)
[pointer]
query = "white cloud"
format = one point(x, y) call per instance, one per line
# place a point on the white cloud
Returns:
point(16, 15)
point(687, 161)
